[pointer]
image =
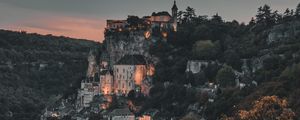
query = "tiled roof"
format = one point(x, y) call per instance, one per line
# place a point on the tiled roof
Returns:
point(132, 60)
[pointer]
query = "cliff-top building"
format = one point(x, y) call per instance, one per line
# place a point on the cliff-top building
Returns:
point(162, 20)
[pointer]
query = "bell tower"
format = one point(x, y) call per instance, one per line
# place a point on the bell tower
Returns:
point(174, 10)
point(174, 15)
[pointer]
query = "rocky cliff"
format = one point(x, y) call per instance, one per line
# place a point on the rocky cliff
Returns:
point(118, 45)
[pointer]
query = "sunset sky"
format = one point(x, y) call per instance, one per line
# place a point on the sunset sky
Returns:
point(86, 18)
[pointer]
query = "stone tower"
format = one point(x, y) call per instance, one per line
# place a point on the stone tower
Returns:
point(174, 15)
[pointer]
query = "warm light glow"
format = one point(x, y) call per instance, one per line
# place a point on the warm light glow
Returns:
point(120, 29)
point(164, 34)
point(145, 117)
point(151, 70)
point(139, 75)
point(147, 34)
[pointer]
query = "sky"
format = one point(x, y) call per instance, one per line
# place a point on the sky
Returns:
point(86, 19)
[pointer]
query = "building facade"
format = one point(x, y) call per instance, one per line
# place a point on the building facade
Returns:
point(129, 72)
point(106, 82)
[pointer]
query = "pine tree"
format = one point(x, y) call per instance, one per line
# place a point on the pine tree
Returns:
point(252, 22)
point(297, 12)
point(265, 18)
point(188, 15)
point(216, 18)
point(287, 15)
point(287, 12)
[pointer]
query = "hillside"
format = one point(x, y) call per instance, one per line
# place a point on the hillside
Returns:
point(263, 56)
point(37, 70)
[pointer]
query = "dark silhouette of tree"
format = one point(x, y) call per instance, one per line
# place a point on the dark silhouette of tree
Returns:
point(216, 18)
point(233, 59)
point(297, 12)
point(226, 77)
point(188, 15)
point(287, 15)
point(252, 22)
point(180, 16)
point(205, 50)
point(133, 21)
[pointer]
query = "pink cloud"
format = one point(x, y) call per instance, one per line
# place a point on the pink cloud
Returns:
point(91, 29)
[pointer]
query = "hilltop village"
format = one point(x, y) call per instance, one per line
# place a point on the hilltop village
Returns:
point(160, 67)
point(123, 66)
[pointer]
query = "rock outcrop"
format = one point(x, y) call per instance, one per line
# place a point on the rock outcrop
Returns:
point(121, 44)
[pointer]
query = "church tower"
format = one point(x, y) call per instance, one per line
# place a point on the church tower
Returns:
point(174, 15)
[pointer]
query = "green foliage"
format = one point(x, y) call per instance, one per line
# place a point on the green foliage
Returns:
point(189, 14)
point(297, 12)
point(226, 77)
point(291, 72)
point(205, 50)
point(34, 68)
point(233, 59)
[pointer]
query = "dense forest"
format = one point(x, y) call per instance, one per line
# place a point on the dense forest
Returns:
point(271, 37)
point(38, 70)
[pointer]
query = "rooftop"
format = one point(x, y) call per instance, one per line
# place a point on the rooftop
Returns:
point(104, 72)
point(132, 60)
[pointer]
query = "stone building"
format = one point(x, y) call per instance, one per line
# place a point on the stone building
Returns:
point(162, 20)
point(129, 72)
point(106, 82)
point(88, 89)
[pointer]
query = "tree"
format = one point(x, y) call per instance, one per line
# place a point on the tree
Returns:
point(189, 15)
point(205, 50)
point(297, 12)
point(133, 20)
point(252, 22)
point(226, 77)
point(291, 72)
point(288, 14)
point(265, 18)
point(216, 18)
point(268, 108)
point(233, 59)
point(179, 15)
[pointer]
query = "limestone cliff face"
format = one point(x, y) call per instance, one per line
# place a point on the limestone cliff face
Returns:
point(118, 45)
